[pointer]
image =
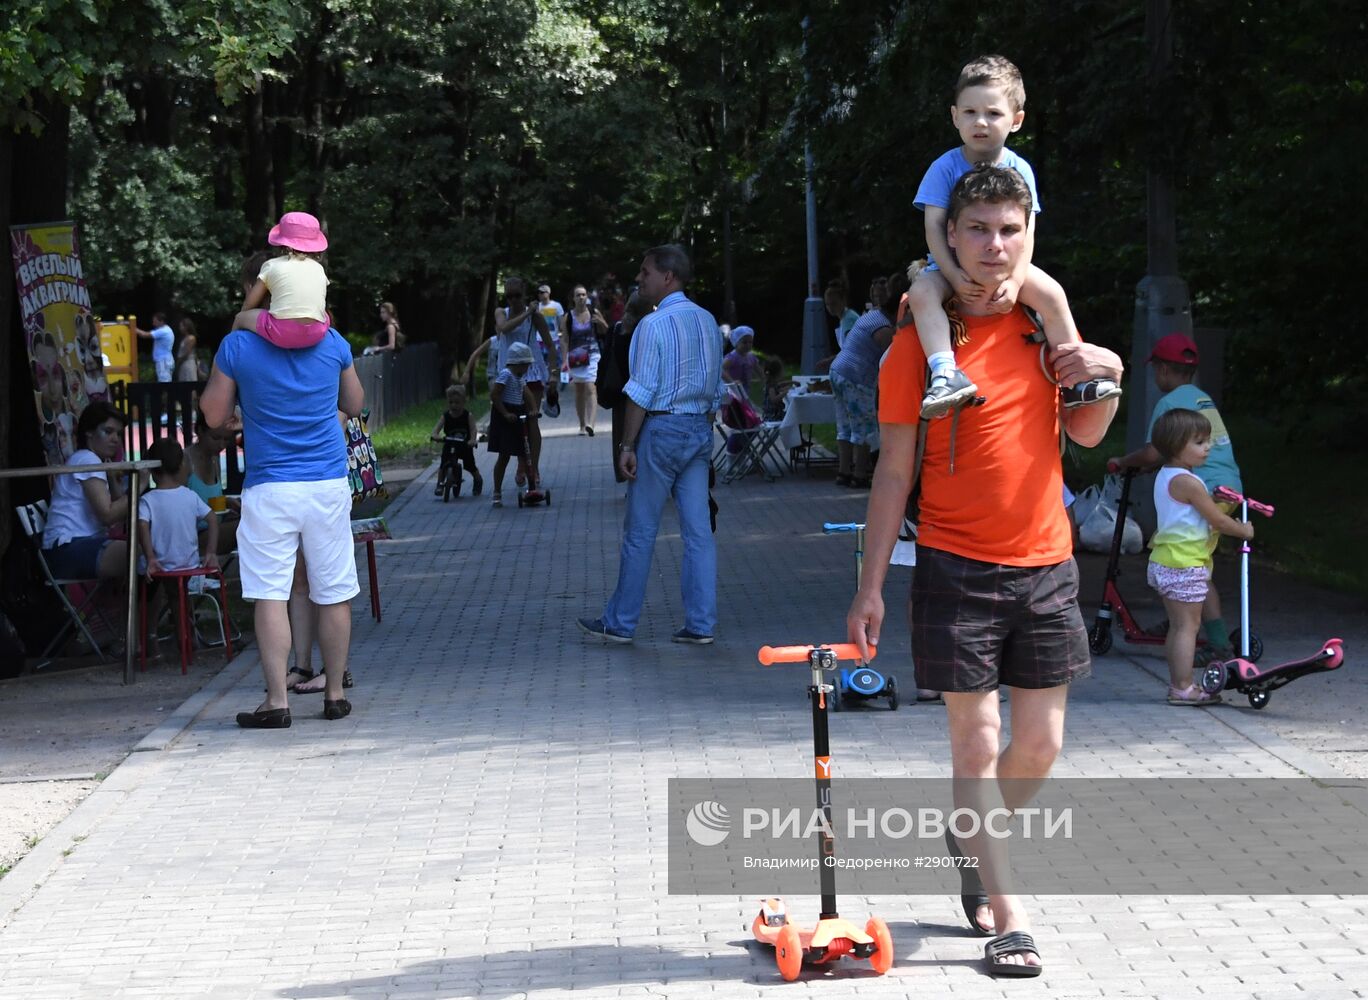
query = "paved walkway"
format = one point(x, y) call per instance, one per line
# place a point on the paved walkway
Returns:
point(490, 821)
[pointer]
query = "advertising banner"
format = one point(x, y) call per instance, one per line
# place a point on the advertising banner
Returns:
point(63, 338)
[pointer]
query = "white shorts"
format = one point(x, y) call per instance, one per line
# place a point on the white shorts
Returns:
point(166, 369)
point(281, 519)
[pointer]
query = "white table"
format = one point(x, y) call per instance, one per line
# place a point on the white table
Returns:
point(806, 408)
point(802, 407)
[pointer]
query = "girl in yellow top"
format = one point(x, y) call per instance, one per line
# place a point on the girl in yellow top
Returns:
point(296, 285)
point(1180, 550)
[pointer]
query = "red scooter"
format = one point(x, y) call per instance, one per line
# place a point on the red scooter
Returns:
point(1240, 673)
point(533, 493)
point(1114, 605)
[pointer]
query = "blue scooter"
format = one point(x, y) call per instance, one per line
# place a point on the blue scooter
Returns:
point(861, 683)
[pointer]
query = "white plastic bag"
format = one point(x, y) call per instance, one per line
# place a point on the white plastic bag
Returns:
point(1096, 519)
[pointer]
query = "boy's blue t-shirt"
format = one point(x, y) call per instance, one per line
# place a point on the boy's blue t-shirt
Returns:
point(289, 406)
point(941, 176)
point(1220, 468)
point(163, 338)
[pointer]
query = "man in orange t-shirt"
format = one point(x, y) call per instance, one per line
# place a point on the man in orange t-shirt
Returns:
point(995, 591)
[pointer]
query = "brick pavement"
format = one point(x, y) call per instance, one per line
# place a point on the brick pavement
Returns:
point(490, 821)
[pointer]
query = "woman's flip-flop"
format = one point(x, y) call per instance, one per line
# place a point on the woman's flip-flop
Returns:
point(303, 677)
point(972, 895)
point(1011, 943)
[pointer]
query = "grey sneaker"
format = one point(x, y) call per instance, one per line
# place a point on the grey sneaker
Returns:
point(596, 628)
point(1087, 393)
point(947, 392)
point(684, 635)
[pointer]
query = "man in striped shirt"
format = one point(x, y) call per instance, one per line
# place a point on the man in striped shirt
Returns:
point(675, 387)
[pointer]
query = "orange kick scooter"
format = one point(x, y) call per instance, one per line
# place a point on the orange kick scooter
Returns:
point(833, 936)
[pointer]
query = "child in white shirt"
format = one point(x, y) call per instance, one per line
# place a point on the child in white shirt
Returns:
point(167, 527)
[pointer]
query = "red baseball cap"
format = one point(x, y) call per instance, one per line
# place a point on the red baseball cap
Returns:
point(1176, 348)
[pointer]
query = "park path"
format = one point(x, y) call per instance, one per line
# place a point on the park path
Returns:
point(490, 821)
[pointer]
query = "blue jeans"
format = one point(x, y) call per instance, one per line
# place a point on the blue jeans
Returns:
point(673, 454)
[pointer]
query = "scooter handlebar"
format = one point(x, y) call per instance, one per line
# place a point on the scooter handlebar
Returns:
point(828, 528)
point(770, 655)
point(1227, 495)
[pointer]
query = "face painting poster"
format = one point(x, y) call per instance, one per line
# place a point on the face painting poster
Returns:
point(63, 338)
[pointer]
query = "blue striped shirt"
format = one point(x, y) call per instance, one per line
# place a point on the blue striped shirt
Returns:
point(676, 359)
point(511, 387)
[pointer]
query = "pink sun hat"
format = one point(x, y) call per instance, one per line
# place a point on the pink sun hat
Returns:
point(298, 231)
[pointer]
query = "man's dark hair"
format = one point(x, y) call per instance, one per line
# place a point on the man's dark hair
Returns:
point(1175, 429)
point(159, 319)
point(989, 184)
point(93, 416)
point(168, 452)
point(251, 267)
point(672, 258)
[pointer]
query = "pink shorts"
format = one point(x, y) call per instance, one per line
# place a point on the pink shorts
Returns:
point(1186, 586)
point(290, 333)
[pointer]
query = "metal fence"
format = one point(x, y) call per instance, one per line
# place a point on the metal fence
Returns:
point(394, 382)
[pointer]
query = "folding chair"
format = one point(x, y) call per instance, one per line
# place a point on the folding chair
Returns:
point(33, 519)
point(750, 449)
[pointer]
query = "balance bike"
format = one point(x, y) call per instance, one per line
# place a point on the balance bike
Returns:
point(1114, 605)
point(531, 494)
point(450, 475)
point(833, 936)
point(1240, 673)
point(862, 683)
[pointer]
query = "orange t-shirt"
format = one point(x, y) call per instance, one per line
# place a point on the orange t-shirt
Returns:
point(1004, 502)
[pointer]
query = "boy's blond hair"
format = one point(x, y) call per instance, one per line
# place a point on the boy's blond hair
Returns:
point(997, 71)
point(452, 391)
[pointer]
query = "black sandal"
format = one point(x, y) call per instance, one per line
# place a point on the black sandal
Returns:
point(346, 683)
point(339, 709)
point(1011, 943)
point(304, 673)
point(972, 895)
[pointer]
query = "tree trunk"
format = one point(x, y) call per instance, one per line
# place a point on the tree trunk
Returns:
point(256, 170)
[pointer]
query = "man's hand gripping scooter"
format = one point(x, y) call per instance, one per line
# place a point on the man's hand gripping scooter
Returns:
point(832, 937)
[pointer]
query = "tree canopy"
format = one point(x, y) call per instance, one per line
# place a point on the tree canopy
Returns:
point(446, 142)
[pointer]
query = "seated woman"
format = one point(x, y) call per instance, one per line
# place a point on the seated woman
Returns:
point(76, 542)
point(206, 480)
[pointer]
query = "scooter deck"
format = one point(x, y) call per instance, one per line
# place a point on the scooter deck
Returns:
point(826, 942)
point(1255, 681)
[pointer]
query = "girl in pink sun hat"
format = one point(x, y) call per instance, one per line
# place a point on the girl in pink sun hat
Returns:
point(296, 284)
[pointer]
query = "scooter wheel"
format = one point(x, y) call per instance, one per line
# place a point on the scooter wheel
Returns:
point(1100, 639)
point(1255, 645)
point(788, 953)
point(891, 686)
point(548, 498)
point(882, 959)
point(1214, 678)
point(520, 499)
point(1258, 699)
point(836, 699)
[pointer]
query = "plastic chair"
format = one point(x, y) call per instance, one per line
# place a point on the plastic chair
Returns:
point(185, 627)
point(33, 519)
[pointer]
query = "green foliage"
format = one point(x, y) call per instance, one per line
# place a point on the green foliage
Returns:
point(409, 435)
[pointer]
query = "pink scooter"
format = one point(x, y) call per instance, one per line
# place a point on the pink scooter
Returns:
point(1241, 673)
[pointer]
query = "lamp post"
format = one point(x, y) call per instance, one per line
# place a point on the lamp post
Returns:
point(814, 314)
point(1162, 305)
